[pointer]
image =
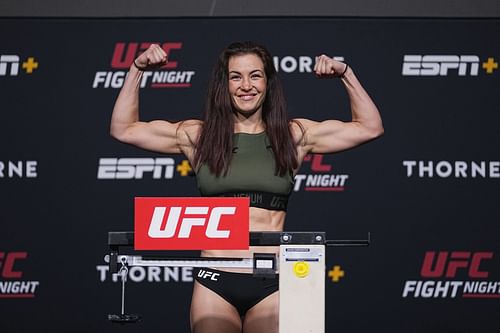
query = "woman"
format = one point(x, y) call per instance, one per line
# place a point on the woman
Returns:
point(245, 145)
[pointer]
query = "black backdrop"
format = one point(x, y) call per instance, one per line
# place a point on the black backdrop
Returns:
point(429, 185)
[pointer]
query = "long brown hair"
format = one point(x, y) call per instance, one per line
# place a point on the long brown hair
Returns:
point(215, 144)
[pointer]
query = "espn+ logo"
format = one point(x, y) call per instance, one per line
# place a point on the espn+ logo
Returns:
point(9, 65)
point(191, 223)
point(439, 65)
point(135, 168)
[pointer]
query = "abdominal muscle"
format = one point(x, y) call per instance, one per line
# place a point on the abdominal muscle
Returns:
point(260, 220)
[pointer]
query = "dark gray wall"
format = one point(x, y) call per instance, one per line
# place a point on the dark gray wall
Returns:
point(221, 8)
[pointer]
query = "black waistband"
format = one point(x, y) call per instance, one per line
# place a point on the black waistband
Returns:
point(266, 200)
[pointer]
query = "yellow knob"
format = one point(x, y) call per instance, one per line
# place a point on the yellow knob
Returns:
point(301, 269)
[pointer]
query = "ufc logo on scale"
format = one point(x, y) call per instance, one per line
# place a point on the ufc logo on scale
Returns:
point(191, 223)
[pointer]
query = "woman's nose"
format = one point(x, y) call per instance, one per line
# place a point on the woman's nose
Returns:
point(246, 84)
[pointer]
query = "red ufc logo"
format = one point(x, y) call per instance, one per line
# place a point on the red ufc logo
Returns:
point(191, 223)
point(125, 53)
point(7, 261)
point(316, 163)
point(451, 262)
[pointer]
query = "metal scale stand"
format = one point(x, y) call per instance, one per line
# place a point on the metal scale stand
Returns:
point(301, 268)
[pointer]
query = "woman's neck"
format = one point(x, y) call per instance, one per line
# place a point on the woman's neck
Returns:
point(249, 125)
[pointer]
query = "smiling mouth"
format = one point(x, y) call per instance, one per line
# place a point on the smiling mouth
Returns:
point(247, 97)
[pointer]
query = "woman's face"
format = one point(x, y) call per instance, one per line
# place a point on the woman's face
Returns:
point(247, 83)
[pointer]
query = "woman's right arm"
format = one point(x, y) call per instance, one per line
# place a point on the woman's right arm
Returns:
point(158, 135)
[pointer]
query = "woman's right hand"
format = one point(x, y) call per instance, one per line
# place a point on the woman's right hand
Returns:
point(153, 57)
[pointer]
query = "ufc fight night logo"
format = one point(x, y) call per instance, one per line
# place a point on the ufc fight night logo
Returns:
point(168, 76)
point(11, 273)
point(320, 177)
point(191, 223)
point(454, 274)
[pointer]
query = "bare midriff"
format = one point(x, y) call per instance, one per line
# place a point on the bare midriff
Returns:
point(260, 220)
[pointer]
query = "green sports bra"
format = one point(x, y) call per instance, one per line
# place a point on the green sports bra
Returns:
point(251, 173)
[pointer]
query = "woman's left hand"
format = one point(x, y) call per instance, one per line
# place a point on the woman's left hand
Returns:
point(326, 67)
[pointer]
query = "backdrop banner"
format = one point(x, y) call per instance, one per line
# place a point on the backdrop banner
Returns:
point(427, 191)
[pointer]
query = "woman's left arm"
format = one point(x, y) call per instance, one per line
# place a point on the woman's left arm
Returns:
point(330, 136)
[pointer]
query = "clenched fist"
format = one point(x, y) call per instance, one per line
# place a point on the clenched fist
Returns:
point(326, 67)
point(153, 57)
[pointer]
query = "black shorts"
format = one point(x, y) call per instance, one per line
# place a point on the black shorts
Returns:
point(241, 290)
